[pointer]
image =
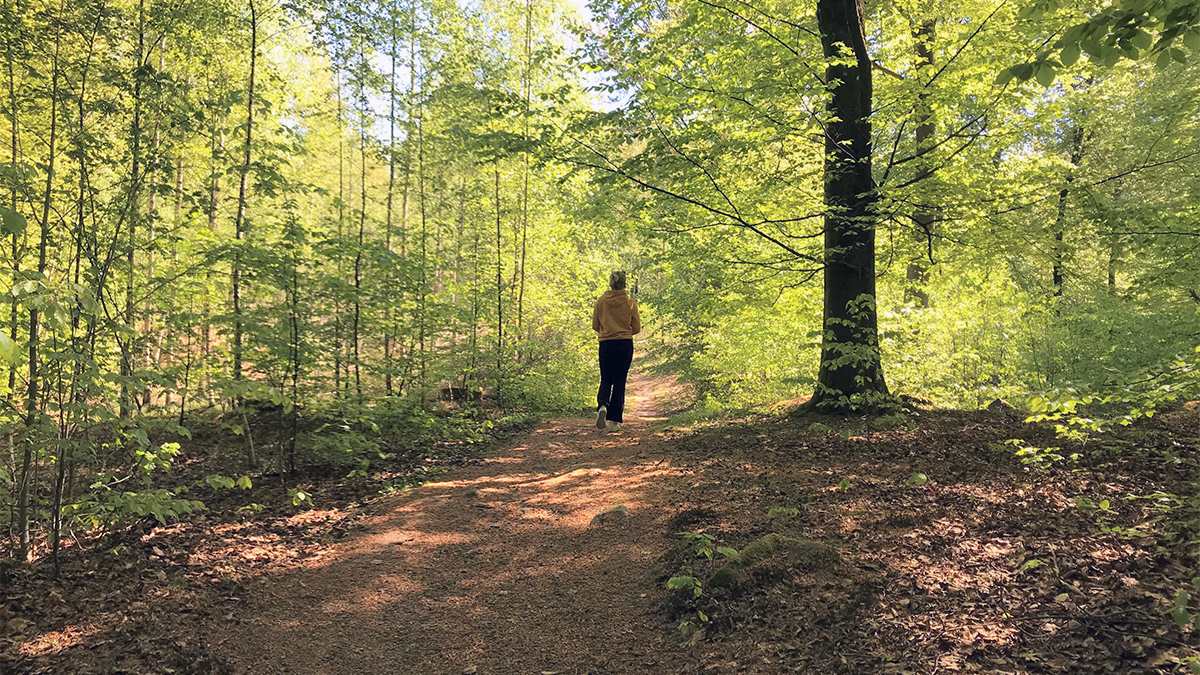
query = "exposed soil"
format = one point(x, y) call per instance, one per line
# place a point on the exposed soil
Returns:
point(495, 569)
point(918, 545)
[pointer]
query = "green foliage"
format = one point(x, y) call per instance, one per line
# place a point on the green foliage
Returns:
point(1039, 457)
point(111, 509)
point(298, 496)
point(416, 478)
point(1032, 563)
point(1122, 402)
point(704, 544)
point(686, 584)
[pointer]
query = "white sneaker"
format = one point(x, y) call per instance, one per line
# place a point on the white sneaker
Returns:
point(600, 415)
point(613, 427)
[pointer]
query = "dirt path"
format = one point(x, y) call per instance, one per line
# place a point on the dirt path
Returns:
point(493, 570)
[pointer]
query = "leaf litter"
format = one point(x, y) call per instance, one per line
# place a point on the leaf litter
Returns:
point(951, 556)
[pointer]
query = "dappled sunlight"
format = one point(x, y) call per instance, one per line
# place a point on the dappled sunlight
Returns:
point(451, 566)
point(933, 574)
point(382, 591)
point(167, 531)
point(311, 516)
point(55, 641)
point(988, 494)
point(502, 460)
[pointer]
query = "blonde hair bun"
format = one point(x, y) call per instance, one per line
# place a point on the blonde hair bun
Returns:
point(616, 279)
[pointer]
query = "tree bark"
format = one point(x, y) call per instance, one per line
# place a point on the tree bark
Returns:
point(850, 376)
point(925, 217)
point(240, 226)
point(32, 412)
point(1057, 269)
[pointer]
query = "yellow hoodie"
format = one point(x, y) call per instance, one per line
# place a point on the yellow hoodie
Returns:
point(616, 316)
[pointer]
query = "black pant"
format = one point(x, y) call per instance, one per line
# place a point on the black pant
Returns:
point(615, 359)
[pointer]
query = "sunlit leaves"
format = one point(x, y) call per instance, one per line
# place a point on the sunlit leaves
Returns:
point(12, 221)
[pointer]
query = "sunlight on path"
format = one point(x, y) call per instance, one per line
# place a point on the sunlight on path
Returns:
point(499, 568)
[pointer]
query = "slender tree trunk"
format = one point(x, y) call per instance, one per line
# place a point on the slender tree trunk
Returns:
point(1114, 255)
point(240, 225)
point(525, 172)
point(424, 289)
point(296, 347)
point(216, 152)
point(925, 217)
point(32, 411)
point(337, 318)
point(499, 301)
point(127, 343)
point(14, 154)
point(388, 330)
point(362, 225)
point(850, 374)
point(148, 350)
point(475, 281)
point(79, 388)
point(1057, 270)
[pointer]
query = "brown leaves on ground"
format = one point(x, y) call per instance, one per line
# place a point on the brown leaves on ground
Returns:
point(985, 565)
point(940, 552)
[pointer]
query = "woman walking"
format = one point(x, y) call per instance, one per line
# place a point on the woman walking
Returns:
point(616, 319)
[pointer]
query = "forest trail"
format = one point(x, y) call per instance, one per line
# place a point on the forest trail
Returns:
point(495, 569)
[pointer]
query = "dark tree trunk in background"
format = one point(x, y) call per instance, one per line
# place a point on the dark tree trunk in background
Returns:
point(850, 373)
point(1057, 272)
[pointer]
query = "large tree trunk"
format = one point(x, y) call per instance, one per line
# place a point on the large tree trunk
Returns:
point(850, 376)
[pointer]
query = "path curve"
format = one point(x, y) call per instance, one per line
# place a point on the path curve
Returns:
point(493, 570)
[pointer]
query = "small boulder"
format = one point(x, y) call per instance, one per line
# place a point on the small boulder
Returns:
point(615, 513)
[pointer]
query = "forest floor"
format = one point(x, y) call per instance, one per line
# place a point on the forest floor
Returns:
point(914, 545)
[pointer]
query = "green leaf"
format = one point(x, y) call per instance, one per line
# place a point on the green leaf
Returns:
point(1032, 563)
point(1045, 74)
point(844, 484)
point(1141, 40)
point(681, 583)
point(1004, 77)
point(1070, 54)
point(9, 351)
point(244, 483)
point(12, 222)
point(1163, 60)
point(917, 479)
point(1191, 40)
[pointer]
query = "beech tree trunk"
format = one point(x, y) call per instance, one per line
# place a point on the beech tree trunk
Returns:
point(851, 376)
